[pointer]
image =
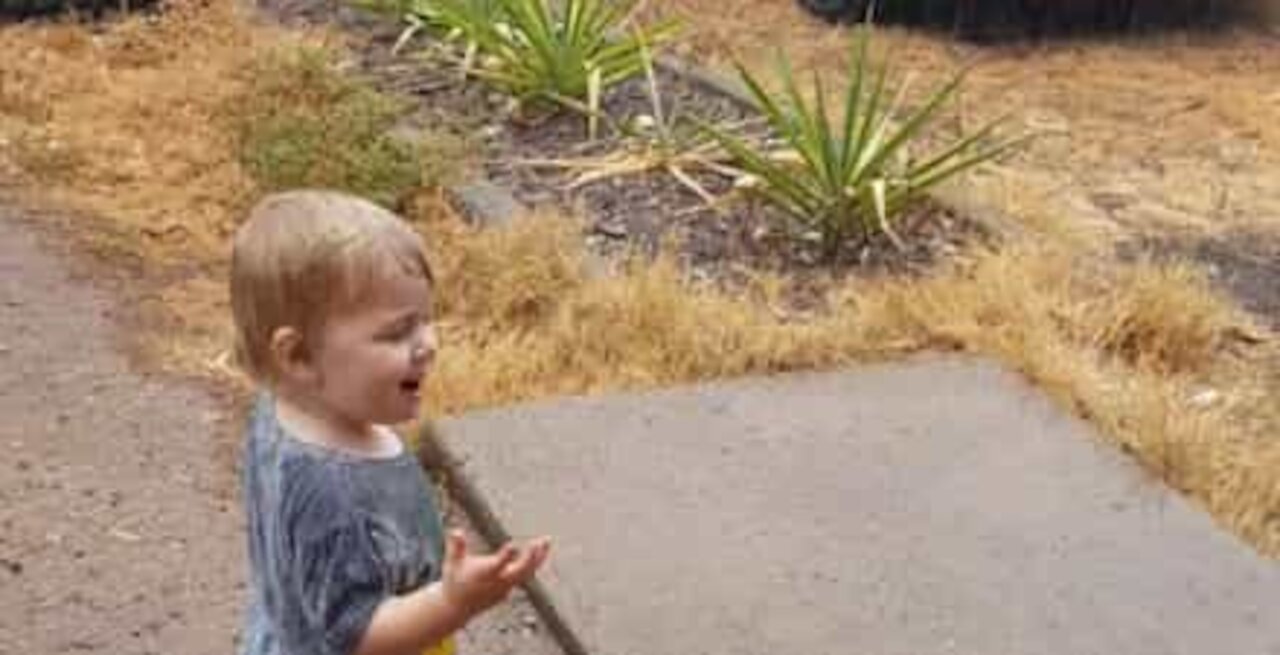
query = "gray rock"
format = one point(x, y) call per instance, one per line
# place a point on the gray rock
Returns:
point(486, 204)
point(612, 229)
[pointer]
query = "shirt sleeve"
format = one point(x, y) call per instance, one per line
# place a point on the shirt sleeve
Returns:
point(338, 582)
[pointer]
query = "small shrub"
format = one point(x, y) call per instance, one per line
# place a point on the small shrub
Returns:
point(447, 158)
point(512, 277)
point(1162, 317)
point(306, 125)
point(851, 178)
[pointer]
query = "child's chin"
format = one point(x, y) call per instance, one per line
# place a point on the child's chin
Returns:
point(411, 410)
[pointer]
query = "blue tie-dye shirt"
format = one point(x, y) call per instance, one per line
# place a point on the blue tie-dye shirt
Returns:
point(331, 535)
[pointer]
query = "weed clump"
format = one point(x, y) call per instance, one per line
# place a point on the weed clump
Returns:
point(305, 124)
point(1164, 318)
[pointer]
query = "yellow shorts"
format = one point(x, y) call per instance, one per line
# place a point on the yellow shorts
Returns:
point(446, 647)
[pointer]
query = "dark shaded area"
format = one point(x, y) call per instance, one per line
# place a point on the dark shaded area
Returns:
point(19, 10)
point(1245, 264)
point(988, 20)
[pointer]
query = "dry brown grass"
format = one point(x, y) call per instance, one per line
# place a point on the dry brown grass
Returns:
point(127, 127)
point(1145, 351)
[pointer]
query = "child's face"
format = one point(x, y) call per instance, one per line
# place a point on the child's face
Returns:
point(373, 357)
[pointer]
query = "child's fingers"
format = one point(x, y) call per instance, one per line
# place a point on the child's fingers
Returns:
point(516, 571)
point(543, 549)
point(532, 557)
point(455, 548)
point(503, 557)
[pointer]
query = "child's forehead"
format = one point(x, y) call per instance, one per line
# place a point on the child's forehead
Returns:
point(392, 289)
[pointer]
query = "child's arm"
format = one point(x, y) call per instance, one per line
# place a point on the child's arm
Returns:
point(469, 585)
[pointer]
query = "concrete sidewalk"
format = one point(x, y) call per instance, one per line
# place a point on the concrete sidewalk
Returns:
point(919, 509)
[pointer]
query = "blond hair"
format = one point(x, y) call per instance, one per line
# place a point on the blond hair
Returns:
point(302, 255)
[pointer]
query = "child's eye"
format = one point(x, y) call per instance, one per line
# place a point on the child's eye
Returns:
point(397, 332)
point(403, 329)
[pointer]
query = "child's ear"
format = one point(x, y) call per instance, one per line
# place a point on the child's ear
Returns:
point(290, 354)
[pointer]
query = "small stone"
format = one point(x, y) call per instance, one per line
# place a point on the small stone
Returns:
point(124, 535)
point(407, 135)
point(539, 198)
point(486, 204)
point(746, 181)
point(644, 122)
point(1205, 398)
point(612, 229)
point(1111, 201)
point(529, 625)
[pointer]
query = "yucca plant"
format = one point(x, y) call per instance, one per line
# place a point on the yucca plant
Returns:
point(852, 178)
point(566, 52)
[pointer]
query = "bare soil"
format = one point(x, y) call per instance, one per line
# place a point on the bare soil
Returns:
point(119, 532)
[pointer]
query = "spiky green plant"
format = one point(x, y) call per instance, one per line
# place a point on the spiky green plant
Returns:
point(542, 51)
point(851, 178)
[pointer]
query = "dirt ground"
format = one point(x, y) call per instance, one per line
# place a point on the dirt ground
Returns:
point(119, 530)
point(120, 525)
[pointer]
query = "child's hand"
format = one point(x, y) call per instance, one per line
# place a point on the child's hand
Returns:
point(477, 582)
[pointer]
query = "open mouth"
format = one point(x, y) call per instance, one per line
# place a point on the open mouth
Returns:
point(412, 386)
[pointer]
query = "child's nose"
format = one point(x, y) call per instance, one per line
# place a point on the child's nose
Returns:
point(425, 345)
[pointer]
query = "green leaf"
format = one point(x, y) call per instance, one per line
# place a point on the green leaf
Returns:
point(853, 100)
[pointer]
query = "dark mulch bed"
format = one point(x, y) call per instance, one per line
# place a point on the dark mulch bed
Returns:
point(24, 10)
point(1004, 20)
point(644, 210)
